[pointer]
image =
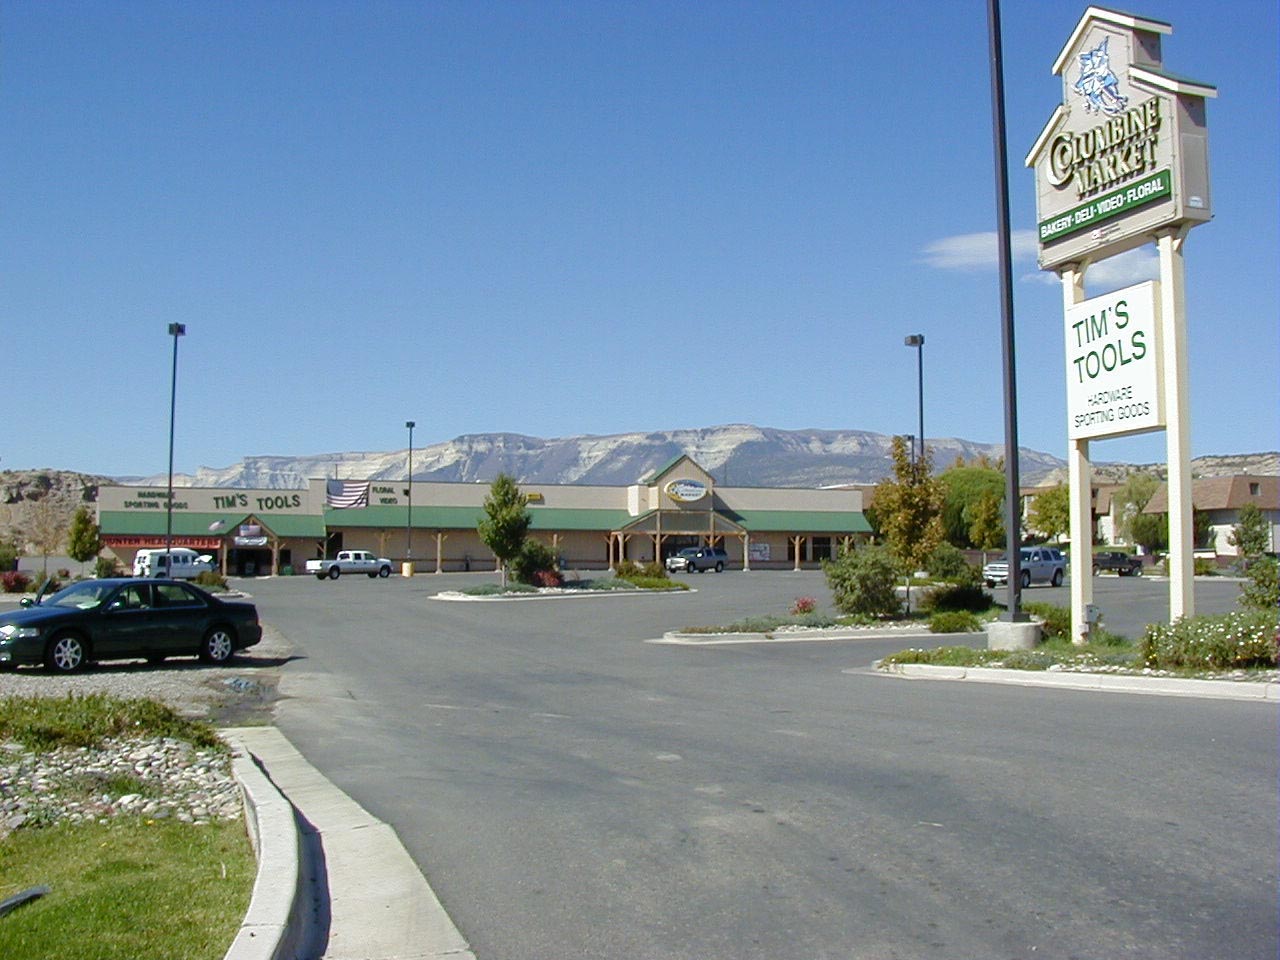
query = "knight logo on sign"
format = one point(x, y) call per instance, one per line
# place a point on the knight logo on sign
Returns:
point(1126, 152)
point(1113, 364)
point(686, 491)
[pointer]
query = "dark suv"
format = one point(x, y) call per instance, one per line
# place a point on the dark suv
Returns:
point(695, 559)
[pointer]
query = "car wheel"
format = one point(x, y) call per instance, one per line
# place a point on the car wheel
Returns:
point(1096, 571)
point(692, 568)
point(1026, 579)
point(218, 645)
point(1136, 571)
point(320, 575)
point(373, 575)
point(1057, 578)
point(65, 654)
point(719, 567)
point(334, 573)
point(384, 572)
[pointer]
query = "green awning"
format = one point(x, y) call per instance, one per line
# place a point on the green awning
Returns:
point(802, 521)
point(128, 523)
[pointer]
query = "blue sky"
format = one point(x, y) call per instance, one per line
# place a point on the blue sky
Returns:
point(571, 218)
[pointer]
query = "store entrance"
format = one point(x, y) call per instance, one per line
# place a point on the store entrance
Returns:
point(249, 562)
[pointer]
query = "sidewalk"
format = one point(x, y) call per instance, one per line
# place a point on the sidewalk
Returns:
point(333, 882)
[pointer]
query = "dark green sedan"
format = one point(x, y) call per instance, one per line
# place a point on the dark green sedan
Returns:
point(126, 619)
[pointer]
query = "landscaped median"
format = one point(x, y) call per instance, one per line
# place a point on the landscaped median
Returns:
point(1234, 655)
point(127, 813)
point(628, 578)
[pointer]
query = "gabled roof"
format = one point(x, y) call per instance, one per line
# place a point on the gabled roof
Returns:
point(1223, 493)
point(1120, 19)
point(654, 475)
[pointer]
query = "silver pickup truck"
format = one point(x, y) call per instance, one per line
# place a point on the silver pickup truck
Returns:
point(350, 561)
point(1037, 564)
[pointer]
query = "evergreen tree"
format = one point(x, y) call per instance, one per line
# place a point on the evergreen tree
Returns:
point(506, 521)
point(1249, 536)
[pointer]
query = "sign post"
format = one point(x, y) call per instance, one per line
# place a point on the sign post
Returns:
point(1123, 162)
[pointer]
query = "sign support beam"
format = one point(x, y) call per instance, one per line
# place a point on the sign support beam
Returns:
point(1173, 330)
point(1080, 483)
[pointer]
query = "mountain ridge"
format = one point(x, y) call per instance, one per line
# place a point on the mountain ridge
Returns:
point(735, 454)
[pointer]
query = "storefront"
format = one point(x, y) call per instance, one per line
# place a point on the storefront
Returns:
point(434, 524)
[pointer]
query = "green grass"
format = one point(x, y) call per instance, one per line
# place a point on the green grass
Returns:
point(127, 890)
point(46, 723)
point(1123, 655)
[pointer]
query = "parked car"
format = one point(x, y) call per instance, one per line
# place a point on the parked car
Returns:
point(124, 618)
point(694, 559)
point(1037, 565)
point(350, 561)
point(1119, 561)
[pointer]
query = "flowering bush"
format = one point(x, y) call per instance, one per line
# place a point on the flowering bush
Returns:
point(803, 605)
point(15, 581)
point(1239, 639)
point(547, 578)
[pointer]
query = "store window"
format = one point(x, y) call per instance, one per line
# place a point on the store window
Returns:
point(821, 549)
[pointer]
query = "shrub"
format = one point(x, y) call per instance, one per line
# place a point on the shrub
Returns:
point(651, 576)
point(802, 605)
point(211, 580)
point(547, 578)
point(947, 562)
point(1057, 620)
point(1204, 567)
point(954, 621)
point(105, 567)
point(965, 597)
point(1244, 638)
point(15, 581)
point(862, 582)
point(1262, 589)
point(535, 562)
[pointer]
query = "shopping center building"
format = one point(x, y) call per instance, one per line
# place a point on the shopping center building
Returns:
point(256, 532)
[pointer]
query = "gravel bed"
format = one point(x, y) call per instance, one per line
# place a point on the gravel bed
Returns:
point(155, 778)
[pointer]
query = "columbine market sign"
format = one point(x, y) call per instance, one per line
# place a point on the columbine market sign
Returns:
point(1126, 153)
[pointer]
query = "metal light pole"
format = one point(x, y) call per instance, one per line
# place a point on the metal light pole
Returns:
point(175, 330)
point(1013, 504)
point(917, 340)
point(408, 517)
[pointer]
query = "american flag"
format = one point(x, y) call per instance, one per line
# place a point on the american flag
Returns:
point(346, 493)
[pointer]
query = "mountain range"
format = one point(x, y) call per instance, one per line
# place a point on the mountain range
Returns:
point(736, 455)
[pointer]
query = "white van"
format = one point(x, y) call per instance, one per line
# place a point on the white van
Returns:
point(186, 564)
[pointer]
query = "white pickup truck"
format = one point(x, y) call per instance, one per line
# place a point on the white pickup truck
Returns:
point(350, 561)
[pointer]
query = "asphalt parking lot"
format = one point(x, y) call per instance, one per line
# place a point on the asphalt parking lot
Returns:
point(571, 790)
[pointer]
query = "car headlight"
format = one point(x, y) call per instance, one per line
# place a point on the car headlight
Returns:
point(11, 632)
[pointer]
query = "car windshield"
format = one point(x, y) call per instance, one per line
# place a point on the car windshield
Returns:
point(82, 596)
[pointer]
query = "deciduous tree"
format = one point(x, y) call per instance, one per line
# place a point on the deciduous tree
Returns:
point(910, 508)
point(1050, 512)
point(84, 542)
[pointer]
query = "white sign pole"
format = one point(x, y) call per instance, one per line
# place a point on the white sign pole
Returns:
point(1173, 346)
point(1080, 482)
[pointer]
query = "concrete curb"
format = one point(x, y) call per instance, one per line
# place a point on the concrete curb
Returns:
point(269, 929)
point(355, 894)
point(783, 635)
point(1105, 682)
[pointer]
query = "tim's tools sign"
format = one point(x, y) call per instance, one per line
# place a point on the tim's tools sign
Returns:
point(1126, 153)
point(1113, 364)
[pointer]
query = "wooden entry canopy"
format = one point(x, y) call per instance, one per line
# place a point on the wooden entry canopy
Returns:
point(659, 525)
